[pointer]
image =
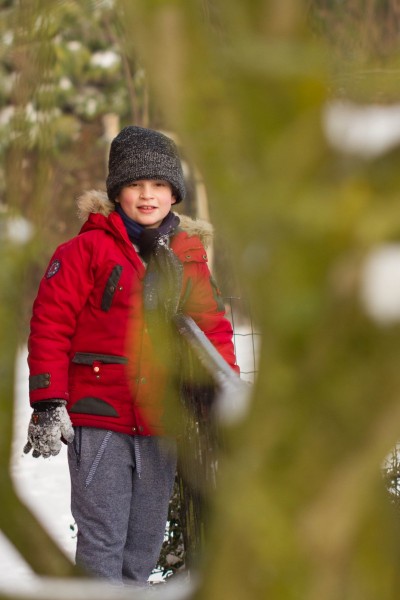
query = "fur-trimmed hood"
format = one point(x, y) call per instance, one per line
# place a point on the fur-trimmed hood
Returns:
point(96, 201)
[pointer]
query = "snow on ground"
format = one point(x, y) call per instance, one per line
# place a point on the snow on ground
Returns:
point(43, 484)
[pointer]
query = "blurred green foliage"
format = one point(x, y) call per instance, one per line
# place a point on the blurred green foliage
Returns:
point(301, 510)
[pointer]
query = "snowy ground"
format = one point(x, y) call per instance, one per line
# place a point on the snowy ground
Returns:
point(43, 484)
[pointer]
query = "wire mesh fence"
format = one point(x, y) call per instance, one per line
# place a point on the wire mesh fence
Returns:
point(246, 337)
point(391, 474)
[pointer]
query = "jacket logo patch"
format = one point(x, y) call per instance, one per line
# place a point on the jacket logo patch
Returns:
point(53, 268)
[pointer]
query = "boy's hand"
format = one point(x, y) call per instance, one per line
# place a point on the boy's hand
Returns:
point(49, 425)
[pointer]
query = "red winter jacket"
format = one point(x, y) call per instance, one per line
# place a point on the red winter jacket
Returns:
point(89, 310)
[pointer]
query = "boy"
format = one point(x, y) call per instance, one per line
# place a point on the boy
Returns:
point(93, 380)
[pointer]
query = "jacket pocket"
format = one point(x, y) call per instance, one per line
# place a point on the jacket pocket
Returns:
point(93, 406)
point(99, 385)
point(88, 358)
point(111, 287)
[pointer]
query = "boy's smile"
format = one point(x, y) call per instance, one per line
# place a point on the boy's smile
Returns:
point(147, 201)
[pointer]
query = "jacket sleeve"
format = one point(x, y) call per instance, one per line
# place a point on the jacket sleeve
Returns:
point(203, 302)
point(62, 293)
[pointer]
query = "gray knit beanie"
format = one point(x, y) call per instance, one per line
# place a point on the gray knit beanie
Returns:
point(139, 153)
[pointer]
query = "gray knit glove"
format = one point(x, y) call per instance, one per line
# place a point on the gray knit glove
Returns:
point(49, 425)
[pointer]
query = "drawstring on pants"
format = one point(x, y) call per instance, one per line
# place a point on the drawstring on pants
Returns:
point(138, 458)
point(97, 459)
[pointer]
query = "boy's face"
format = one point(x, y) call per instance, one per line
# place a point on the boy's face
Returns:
point(147, 201)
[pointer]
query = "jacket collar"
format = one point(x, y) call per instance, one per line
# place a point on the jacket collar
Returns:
point(96, 202)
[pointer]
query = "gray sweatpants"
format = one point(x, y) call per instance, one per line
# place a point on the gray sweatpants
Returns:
point(120, 491)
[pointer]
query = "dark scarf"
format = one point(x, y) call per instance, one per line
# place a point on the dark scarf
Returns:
point(148, 238)
point(163, 279)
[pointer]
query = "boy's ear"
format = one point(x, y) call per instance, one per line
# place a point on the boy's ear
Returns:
point(173, 201)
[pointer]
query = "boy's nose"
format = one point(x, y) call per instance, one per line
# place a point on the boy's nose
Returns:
point(147, 190)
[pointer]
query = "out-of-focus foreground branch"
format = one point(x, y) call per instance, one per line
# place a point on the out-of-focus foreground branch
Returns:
point(301, 510)
point(16, 521)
